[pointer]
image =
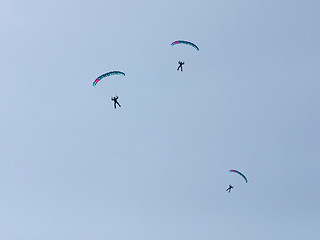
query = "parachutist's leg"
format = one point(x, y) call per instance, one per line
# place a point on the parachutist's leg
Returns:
point(119, 104)
point(115, 106)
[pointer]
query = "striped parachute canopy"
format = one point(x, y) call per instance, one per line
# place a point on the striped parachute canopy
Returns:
point(98, 79)
point(184, 42)
point(235, 171)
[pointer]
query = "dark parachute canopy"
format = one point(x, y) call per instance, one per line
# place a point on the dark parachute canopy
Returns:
point(98, 79)
point(184, 42)
point(236, 171)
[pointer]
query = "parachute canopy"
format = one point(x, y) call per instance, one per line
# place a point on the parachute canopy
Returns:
point(106, 75)
point(184, 42)
point(235, 171)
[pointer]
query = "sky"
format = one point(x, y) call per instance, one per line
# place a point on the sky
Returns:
point(73, 167)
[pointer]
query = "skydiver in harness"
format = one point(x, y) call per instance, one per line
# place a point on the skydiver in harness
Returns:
point(180, 66)
point(229, 188)
point(115, 99)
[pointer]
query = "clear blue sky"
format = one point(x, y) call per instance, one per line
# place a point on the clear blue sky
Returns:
point(72, 167)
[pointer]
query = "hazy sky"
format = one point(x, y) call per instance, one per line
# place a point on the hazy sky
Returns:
point(73, 167)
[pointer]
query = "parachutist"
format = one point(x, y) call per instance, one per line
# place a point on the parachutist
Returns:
point(229, 188)
point(115, 99)
point(180, 66)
